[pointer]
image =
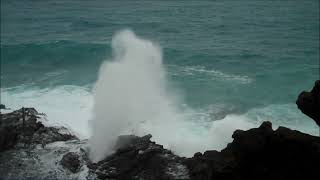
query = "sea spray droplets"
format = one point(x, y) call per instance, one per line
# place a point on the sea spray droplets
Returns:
point(130, 90)
point(131, 97)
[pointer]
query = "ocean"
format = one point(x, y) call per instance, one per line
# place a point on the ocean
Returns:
point(228, 64)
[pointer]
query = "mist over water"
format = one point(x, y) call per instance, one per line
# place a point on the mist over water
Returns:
point(131, 97)
point(236, 64)
point(130, 91)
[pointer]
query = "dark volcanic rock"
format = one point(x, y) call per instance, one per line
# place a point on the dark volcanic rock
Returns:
point(2, 106)
point(140, 158)
point(261, 153)
point(14, 130)
point(309, 102)
point(71, 162)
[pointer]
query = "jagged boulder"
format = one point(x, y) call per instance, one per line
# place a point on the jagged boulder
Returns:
point(260, 153)
point(2, 106)
point(140, 158)
point(309, 102)
point(30, 131)
point(71, 162)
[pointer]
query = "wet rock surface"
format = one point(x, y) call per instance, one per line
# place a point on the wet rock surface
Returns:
point(309, 102)
point(140, 158)
point(71, 161)
point(261, 153)
point(33, 151)
point(22, 127)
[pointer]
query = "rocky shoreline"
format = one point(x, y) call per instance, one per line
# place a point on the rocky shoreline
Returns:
point(259, 153)
point(30, 150)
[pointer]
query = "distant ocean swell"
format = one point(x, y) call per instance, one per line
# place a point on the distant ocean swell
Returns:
point(59, 61)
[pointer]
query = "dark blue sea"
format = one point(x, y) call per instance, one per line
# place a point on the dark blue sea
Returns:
point(227, 60)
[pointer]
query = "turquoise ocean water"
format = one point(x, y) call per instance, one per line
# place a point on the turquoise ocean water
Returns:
point(248, 58)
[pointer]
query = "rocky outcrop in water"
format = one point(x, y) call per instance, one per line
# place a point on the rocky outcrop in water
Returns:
point(71, 162)
point(33, 151)
point(30, 150)
point(2, 106)
point(309, 102)
point(260, 153)
point(21, 127)
point(140, 158)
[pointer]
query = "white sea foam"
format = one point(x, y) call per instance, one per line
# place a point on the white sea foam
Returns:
point(184, 133)
point(131, 90)
point(132, 96)
point(68, 106)
point(211, 74)
point(287, 115)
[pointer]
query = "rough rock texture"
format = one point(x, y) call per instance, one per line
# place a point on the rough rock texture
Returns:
point(309, 102)
point(261, 153)
point(42, 163)
point(71, 161)
point(13, 131)
point(140, 158)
